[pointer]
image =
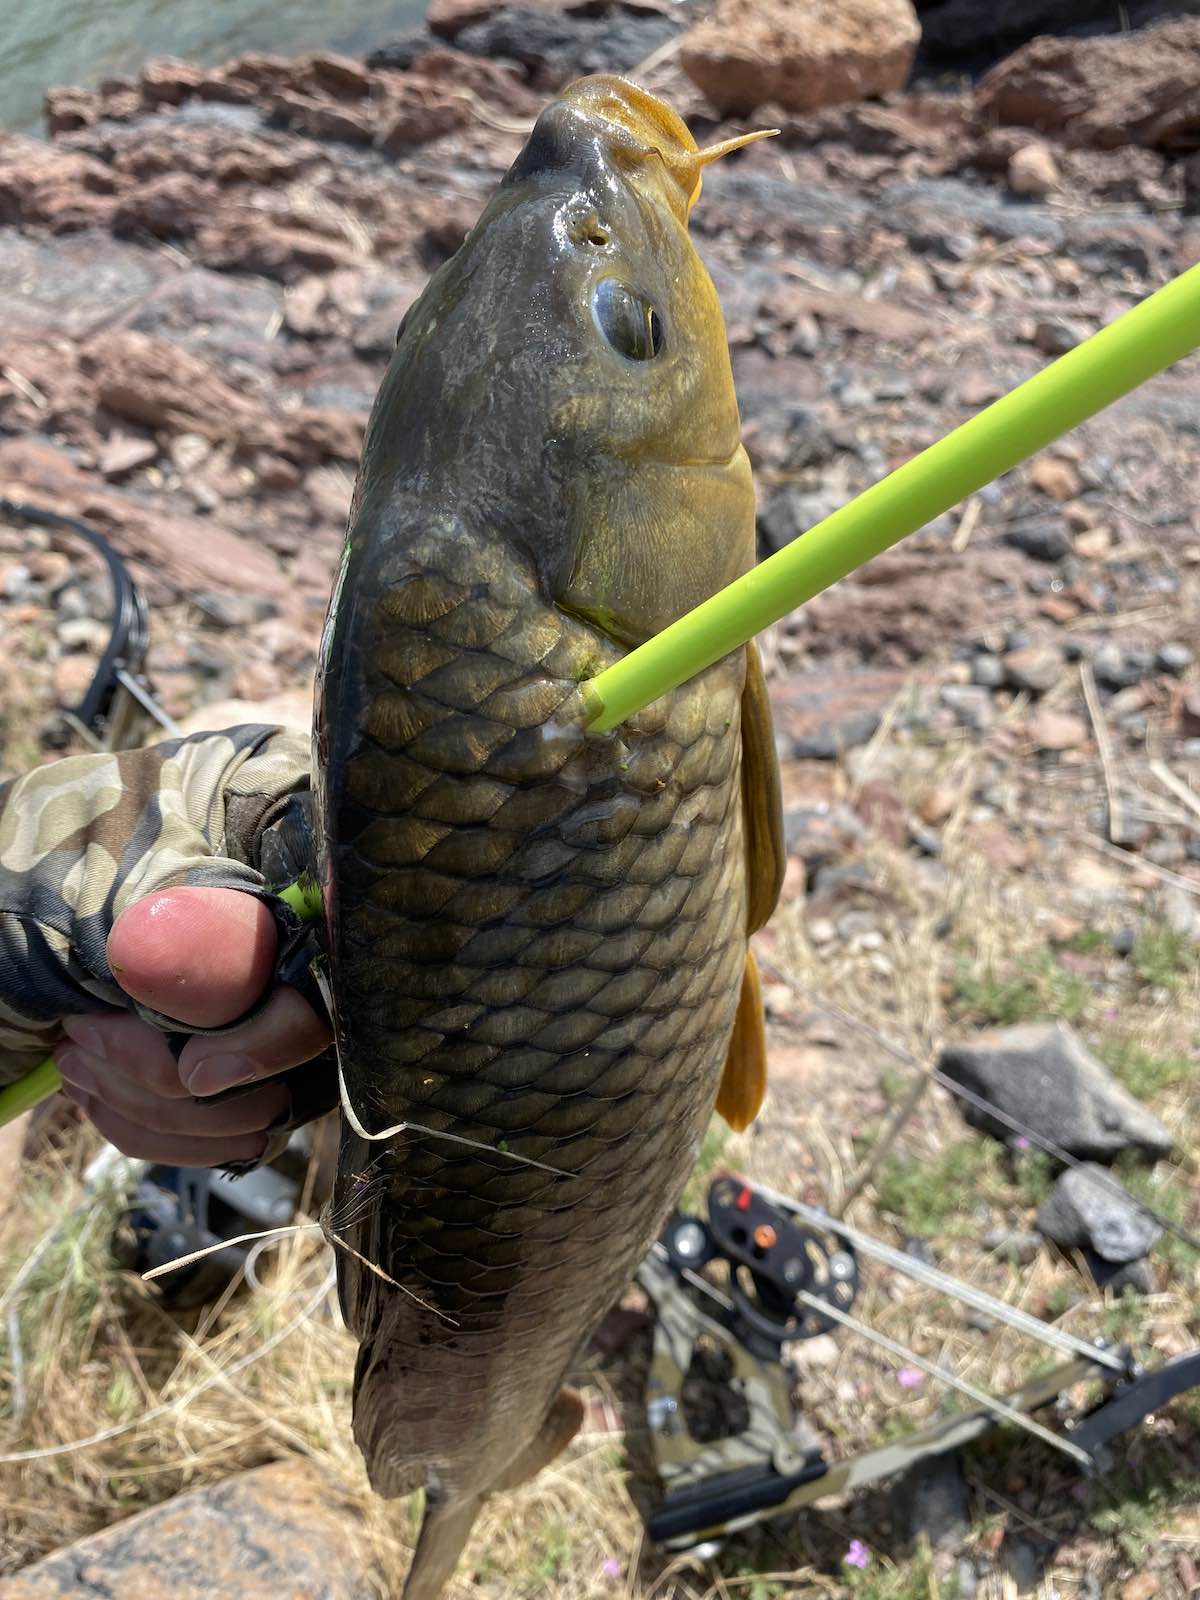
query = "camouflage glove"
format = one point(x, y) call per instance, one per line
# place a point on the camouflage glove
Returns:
point(83, 841)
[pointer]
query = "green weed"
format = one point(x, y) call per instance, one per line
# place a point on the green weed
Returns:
point(1160, 956)
point(1038, 988)
point(939, 1195)
point(1143, 1073)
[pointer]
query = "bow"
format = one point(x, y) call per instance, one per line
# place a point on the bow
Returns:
point(792, 1271)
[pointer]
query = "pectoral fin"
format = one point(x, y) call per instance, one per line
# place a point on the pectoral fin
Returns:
point(745, 1079)
point(762, 806)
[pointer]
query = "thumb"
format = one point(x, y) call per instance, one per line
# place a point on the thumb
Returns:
point(202, 956)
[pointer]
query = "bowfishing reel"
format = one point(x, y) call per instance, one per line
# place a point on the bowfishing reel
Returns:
point(729, 1293)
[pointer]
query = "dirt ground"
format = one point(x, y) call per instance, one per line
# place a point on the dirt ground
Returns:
point(990, 742)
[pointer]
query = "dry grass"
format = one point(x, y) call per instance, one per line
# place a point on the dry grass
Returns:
point(190, 1400)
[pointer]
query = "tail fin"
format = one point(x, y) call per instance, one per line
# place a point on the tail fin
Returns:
point(446, 1525)
point(445, 1529)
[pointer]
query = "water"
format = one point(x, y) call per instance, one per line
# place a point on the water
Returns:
point(45, 43)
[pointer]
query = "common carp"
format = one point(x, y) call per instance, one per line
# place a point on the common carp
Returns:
point(537, 936)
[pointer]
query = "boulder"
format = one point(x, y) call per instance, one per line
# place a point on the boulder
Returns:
point(278, 1530)
point(1134, 88)
point(1088, 1208)
point(975, 33)
point(750, 53)
point(555, 46)
point(1044, 1077)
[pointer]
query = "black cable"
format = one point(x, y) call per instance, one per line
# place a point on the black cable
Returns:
point(129, 631)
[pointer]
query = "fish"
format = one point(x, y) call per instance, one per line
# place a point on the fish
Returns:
point(537, 936)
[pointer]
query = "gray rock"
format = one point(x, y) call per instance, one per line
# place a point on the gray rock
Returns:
point(821, 834)
point(235, 610)
point(1043, 538)
point(83, 633)
point(278, 1530)
point(1175, 658)
point(970, 703)
point(1024, 1562)
point(558, 46)
point(788, 514)
point(987, 671)
point(932, 1500)
point(1044, 1077)
point(1112, 667)
point(1139, 1276)
point(1036, 668)
point(1088, 1207)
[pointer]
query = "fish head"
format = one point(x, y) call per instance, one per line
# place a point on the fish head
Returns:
point(564, 383)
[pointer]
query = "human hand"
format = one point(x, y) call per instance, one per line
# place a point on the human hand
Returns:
point(202, 956)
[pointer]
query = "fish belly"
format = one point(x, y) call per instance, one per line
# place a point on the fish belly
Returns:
point(536, 947)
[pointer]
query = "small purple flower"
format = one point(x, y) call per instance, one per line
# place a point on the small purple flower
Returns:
point(611, 1569)
point(858, 1555)
point(910, 1377)
point(1022, 1143)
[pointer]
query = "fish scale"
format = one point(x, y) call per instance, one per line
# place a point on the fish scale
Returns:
point(560, 989)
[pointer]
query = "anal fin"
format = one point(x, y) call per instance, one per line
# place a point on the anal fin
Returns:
point(744, 1082)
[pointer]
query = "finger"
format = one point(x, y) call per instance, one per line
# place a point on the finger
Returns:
point(253, 1112)
point(202, 956)
point(119, 1045)
point(285, 1033)
point(180, 1150)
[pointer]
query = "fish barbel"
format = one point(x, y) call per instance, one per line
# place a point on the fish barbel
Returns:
point(537, 937)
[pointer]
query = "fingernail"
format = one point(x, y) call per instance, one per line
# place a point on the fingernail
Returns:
point(85, 1033)
point(75, 1075)
point(215, 1073)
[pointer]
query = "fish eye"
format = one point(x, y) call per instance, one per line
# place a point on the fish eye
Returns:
point(627, 320)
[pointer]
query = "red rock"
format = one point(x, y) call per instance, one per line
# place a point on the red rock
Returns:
point(323, 120)
point(1056, 730)
point(279, 1530)
point(751, 52)
point(264, 247)
point(823, 715)
point(449, 17)
point(61, 189)
point(1058, 608)
point(997, 846)
point(1032, 170)
point(273, 472)
point(938, 804)
point(72, 675)
point(170, 207)
point(165, 81)
point(183, 551)
point(1121, 88)
point(490, 80)
point(67, 109)
point(1094, 543)
point(416, 112)
point(882, 809)
point(787, 303)
point(122, 453)
point(1055, 476)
